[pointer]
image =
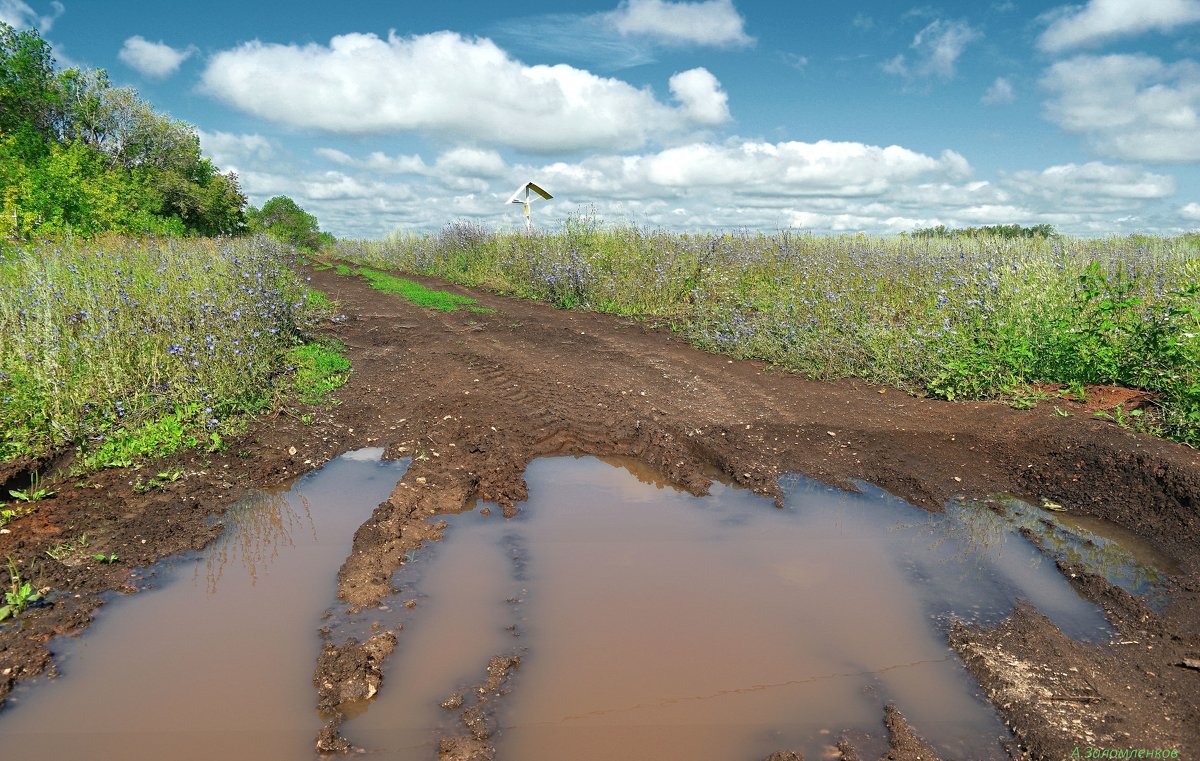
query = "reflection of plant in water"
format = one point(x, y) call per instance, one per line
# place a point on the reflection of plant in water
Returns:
point(978, 533)
point(982, 528)
point(255, 530)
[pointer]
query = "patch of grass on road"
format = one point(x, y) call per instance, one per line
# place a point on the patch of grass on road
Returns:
point(440, 301)
point(320, 367)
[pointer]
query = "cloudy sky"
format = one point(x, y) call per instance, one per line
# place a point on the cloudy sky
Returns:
point(829, 117)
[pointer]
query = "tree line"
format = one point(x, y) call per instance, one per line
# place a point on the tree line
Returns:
point(79, 155)
point(987, 231)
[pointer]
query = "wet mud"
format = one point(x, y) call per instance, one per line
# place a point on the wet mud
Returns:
point(473, 399)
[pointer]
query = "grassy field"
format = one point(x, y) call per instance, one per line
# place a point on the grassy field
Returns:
point(966, 317)
point(130, 349)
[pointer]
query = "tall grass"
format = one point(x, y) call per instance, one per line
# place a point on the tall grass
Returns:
point(129, 348)
point(957, 317)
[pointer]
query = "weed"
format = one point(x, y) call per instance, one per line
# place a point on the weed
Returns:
point(20, 594)
point(106, 559)
point(159, 481)
point(149, 440)
point(1131, 419)
point(320, 367)
point(10, 514)
point(64, 550)
point(1027, 398)
point(35, 493)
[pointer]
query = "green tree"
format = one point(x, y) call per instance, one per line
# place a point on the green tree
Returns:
point(79, 155)
point(284, 220)
point(30, 100)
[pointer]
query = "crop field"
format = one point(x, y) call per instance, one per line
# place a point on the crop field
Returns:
point(957, 317)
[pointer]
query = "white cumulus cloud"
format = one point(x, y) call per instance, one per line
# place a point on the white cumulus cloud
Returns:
point(20, 15)
point(999, 94)
point(701, 97)
point(446, 84)
point(153, 59)
point(756, 168)
point(471, 162)
point(1102, 20)
point(711, 22)
point(1133, 107)
point(822, 186)
point(936, 50)
point(1094, 180)
point(229, 151)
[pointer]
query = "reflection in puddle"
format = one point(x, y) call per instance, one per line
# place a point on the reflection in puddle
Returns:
point(218, 668)
point(658, 625)
point(1121, 557)
point(256, 529)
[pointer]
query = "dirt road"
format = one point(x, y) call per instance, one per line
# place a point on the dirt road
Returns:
point(475, 397)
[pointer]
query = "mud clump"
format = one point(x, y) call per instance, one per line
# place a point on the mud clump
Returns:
point(905, 744)
point(499, 668)
point(464, 749)
point(351, 671)
point(847, 751)
point(479, 719)
point(330, 740)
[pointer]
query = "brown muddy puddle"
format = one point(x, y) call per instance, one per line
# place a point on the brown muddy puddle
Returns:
point(651, 624)
point(214, 662)
point(654, 624)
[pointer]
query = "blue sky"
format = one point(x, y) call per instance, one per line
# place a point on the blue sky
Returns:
point(831, 117)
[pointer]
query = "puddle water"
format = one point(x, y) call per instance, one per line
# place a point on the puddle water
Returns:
point(216, 662)
point(654, 624)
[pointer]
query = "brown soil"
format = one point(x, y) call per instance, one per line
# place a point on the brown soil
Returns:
point(475, 397)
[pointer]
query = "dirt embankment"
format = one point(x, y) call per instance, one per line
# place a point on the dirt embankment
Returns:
point(473, 398)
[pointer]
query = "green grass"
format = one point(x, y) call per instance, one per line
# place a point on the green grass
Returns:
point(319, 368)
point(958, 317)
point(319, 301)
point(150, 440)
point(440, 301)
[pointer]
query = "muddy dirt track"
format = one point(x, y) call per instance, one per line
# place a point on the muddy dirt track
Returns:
point(473, 398)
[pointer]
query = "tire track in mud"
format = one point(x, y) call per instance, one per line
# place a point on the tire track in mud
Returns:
point(475, 398)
